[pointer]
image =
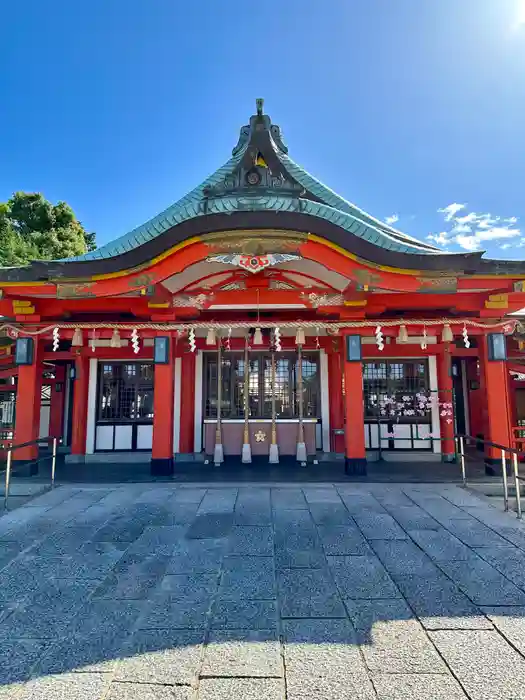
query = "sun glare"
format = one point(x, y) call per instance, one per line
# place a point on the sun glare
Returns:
point(520, 13)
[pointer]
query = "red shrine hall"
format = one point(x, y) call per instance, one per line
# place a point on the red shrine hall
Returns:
point(262, 317)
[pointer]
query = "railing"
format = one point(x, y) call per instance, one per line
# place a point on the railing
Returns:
point(513, 453)
point(11, 448)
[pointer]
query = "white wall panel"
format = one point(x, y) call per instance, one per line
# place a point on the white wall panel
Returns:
point(144, 437)
point(123, 435)
point(92, 406)
point(104, 437)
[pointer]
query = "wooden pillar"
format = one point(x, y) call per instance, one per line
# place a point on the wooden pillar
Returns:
point(335, 392)
point(446, 403)
point(27, 420)
point(355, 454)
point(56, 417)
point(187, 402)
point(494, 387)
point(80, 406)
point(163, 414)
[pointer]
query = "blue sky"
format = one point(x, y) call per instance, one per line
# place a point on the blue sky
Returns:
point(409, 108)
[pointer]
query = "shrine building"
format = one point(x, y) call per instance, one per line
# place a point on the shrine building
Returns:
point(262, 317)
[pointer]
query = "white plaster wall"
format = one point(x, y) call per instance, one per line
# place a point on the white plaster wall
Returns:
point(325, 400)
point(92, 406)
point(176, 405)
point(198, 403)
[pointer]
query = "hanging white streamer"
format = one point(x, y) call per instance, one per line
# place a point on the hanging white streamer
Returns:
point(379, 338)
point(191, 339)
point(466, 340)
point(277, 339)
point(56, 339)
point(135, 340)
point(424, 344)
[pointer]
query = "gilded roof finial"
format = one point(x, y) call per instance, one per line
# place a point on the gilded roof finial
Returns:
point(259, 102)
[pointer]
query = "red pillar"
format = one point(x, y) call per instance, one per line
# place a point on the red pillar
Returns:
point(56, 418)
point(27, 421)
point(187, 403)
point(163, 398)
point(496, 403)
point(446, 403)
point(80, 406)
point(335, 392)
point(355, 454)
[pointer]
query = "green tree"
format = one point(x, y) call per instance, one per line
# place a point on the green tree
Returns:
point(32, 228)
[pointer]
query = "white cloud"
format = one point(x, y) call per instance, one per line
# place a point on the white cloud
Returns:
point(441, 239)
point(469, 243)
point(390, 220)
point(451, 210)
point(461, 228)
point(471, 230)
point(467, 219)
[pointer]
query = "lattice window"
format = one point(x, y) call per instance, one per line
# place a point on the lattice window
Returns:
point(260, 385)
point(125, 392)
point(7, 409)
point(397, 379)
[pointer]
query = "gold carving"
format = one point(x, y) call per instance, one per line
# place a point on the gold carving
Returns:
point(497, 301)
point(255, 242)
point(437, 284)
point(260, 436)
point(75, 291)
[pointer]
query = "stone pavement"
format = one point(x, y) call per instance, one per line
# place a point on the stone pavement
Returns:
point(345, 591)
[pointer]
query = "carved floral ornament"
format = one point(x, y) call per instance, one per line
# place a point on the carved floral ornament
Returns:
point(252, 263)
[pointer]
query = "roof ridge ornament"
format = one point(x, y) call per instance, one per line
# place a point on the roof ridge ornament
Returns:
point(259, 105)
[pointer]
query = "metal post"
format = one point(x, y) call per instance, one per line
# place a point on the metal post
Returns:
point(462, 460)
point(505, 484)
point(517, 484)
point(54, 462)
point(7, 476)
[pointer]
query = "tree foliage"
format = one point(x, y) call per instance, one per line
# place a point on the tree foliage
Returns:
point(32, 228)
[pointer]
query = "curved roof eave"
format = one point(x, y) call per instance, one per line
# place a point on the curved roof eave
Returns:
point(191, 207)
point(161, 222)
point(327, 195)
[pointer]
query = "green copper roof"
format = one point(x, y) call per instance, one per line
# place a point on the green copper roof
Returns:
point(261, 176)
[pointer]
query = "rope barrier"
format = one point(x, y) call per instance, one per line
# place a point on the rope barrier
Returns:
point(505, 326)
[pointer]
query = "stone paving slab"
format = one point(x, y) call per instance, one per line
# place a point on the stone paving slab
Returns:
point(251, 540)
point(482, 583)
point(483, 662)
point(161, 656)
point(474, 534)
point(412, 517)
point(339, 540)
point(403, 557)
point(318, 597)
point(510, 622)
point(391, 638)
point(439, 604)
point(245, 614)
point(148, 691)
point(354, 591)
point(247, 578)
point(421, 686)
point(379, 526)
point(440, 545)
point(245, 688)
point(362, 577)
point(508, 560)
point(233, 653)
point(77, 686)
